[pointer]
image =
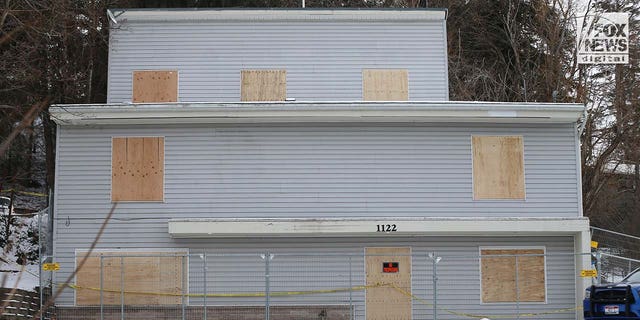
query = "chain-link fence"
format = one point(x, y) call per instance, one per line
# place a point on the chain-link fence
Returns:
point(615, 254)
point(383, 283)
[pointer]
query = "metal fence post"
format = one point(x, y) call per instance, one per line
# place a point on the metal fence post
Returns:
point(41, 290)
point(184, 285)
point(101, 287)
point(204, 297)
point(350, 291)
point(435, 259)
point(435, 289)
point(599, 266)
point(122, 287)
point(267, 301)
point(517, 291)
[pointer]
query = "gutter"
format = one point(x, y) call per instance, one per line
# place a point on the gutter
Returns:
point(316, 112)
point(278, 14)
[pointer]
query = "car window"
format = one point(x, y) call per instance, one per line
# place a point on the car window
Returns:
point(633, 277)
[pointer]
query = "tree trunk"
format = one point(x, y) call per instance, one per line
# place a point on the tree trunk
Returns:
point(50, 148)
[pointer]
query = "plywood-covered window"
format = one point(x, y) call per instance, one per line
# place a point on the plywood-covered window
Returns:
point(143, 277)
point(155, 86)
point(137, 169)
point(385, 85)
point(263, 85)
point(498, 167)
point(513, 275)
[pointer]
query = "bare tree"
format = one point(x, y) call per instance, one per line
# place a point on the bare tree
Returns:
point(611, 136)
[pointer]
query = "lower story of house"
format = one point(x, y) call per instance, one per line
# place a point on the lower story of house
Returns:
point(384, 275)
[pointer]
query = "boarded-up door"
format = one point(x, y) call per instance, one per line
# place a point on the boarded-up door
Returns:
point(386, 302)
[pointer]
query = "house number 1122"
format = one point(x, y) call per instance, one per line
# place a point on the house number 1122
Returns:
point(386, 228)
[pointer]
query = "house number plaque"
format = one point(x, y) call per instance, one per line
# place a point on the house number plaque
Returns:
point(386, 228)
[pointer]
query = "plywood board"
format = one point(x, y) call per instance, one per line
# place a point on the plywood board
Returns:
point(385, 303)
point(498, 167)
point(137, 169)
point(155, 86)
point(499, 276)
point(531, 276)
point(385, 85)
point(136, 274)
point(263, 85)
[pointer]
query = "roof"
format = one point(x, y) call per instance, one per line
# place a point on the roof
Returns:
point(300, 14)
point(317, 112)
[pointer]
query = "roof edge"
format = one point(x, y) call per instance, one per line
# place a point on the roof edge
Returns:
point(231, 228)
point(277, 14)
point(316, 112)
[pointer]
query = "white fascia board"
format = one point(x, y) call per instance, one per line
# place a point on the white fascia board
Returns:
point(315, 112)
point(266, 15)
point(233, 228)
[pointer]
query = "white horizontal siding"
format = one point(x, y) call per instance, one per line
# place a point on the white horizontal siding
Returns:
point(321, 171)
point(324, 60)
point(382, 171)
point(311, 263)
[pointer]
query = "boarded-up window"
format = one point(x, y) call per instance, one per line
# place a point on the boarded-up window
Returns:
point(263, 85)
point(501, 267)
point(155, 86)
point(145, 278)
point(498, 167)
point(385, 85)
point(137, 169)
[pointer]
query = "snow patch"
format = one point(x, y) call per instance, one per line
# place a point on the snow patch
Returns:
point(27, 280)
point(22, 247)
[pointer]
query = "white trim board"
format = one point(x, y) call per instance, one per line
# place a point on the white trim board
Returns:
point(129, 16)
point(546, 274)
point(233, 228)
point(316, 112)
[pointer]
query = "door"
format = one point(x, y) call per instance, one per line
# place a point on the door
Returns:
point(388, 271)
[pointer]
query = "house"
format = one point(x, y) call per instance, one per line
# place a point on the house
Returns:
point(309, 161)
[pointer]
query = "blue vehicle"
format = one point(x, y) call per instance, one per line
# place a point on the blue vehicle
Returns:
point(614, 300)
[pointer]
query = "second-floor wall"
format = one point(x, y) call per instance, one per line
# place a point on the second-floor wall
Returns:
point(323, 53)
point(315, 170)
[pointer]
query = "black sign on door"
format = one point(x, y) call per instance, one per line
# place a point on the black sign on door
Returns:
point(389, 267)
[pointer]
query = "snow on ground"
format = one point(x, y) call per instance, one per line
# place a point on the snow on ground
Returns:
point(26, 280)
point(22, 244)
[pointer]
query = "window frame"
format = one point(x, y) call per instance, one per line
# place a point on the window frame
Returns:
point(133, 79)
point(363, 75)
point(164, 165)
point(524, 169)
point(242, 77)
point(182, 251)
point(546, 275)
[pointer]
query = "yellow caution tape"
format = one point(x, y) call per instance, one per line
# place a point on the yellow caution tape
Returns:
point(294, 293)
point(28, 193)
point(227, 295)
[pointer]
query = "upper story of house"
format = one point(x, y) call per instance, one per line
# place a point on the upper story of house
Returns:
point(305, 114)
point(249, 55)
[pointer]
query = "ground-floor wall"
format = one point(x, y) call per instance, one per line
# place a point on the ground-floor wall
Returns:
point(336, 271)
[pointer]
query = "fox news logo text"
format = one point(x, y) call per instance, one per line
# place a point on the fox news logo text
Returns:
point(603, 39)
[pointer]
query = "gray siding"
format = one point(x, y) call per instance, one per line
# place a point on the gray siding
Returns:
point(311, 263)
point(319, 171)
point(323, 60)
